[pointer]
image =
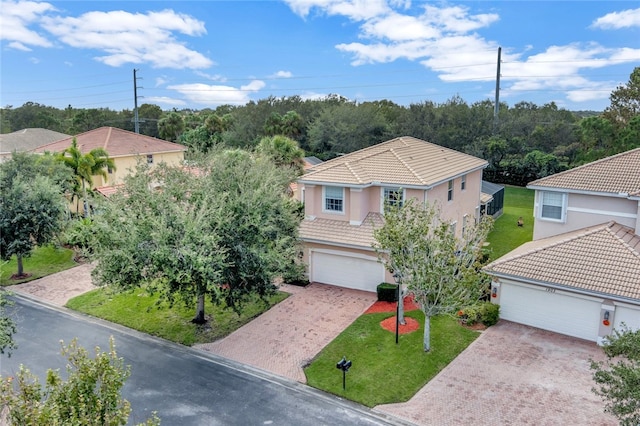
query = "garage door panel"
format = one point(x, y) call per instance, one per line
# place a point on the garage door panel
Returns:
point(346, 271)
point(550, 310)
point(630, 316)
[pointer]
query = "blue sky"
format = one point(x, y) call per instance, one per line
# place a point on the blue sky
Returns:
point(201, 54)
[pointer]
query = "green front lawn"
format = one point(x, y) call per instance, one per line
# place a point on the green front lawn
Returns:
point(43, 261)
point(383, 372)
point(506, 234)
point(139, 310)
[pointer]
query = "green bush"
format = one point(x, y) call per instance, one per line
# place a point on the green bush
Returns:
point(489, 313)
point(486, 313)
point(387, 292)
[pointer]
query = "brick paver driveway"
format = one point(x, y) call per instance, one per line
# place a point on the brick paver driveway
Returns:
point(285, 338)
point(511, 375)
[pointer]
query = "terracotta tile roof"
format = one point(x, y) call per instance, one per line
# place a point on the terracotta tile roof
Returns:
point(108, 191)
point(117, 142)
point(400, 161)
point(341, 232)
point(604, 259)
point(616, 174)
point(28, 139)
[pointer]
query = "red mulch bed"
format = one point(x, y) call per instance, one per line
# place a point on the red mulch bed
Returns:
point(409, 305)
point(410, 325)
point(389, 324)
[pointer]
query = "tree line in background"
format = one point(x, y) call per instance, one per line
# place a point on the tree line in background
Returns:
point(522, 143)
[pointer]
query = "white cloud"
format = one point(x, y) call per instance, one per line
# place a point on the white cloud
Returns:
point(16, 17)
point(205, 94)
point(34, 60)
point(212, 77)
point(282, 74)
point(616, 20)
point(165, 100)
point(132, 37)
point(356, 10)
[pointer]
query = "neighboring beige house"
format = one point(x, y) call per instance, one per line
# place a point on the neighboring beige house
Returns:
point(580, 275)
point(125, 148)
point(344, 199)
point(26, 140)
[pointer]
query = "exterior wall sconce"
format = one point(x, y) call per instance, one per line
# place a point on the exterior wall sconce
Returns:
point(494, 292)
point(605, 320)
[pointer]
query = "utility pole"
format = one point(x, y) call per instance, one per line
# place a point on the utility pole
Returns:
point(496, 108)
point(136, 120)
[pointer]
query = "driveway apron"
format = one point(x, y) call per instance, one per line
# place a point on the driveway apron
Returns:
point(287, 337)
point(512, 375)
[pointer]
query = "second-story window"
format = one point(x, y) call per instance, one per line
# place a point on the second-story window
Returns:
point(552, 205)
point(450, 191)
point(149, 158)
point(393, 196)
point(334, 199)
point(463, 183)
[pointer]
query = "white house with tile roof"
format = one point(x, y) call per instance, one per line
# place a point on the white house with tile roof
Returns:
point(580, 275)
point(344, 199)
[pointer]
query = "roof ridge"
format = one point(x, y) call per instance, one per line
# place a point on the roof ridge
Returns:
point(404, 163)
point(583, 166)
point(353, 172)
point(619, 238)
point(106, 141)
point(576, 235)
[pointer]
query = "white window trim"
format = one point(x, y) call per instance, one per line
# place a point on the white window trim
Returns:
point(450, 190)
point(563, 212)
point(324, 201)
point(383, 198)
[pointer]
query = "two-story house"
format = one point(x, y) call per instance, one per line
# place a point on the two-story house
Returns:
point(580, 275)
point(344, 199)
point(124, 147)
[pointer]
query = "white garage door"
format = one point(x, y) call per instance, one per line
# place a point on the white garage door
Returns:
point(346, 270)
point(630, 316)
point(550, 310)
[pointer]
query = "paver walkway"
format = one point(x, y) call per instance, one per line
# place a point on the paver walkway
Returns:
point(511, 375)
point(58, 288)
point(285, 338)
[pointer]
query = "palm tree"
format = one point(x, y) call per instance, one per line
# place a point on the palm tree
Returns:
point(85, 166)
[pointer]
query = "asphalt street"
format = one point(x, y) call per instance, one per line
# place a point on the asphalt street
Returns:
point(183, 385)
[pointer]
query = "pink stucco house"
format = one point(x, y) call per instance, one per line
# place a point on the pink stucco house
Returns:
point(580, 275)
point(344, 199)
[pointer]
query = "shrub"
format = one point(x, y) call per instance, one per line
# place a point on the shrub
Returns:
point(489, 313)
point(387, 292)
point(486, 313)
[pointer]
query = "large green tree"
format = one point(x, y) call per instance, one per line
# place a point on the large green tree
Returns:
point(625, 101)
point(89, 395)
point(618, 380)
point(31, 214)
point(439, 269)
point(84, 167)
point(222, 229)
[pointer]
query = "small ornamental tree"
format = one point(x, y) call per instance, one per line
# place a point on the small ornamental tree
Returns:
point(618, 380)
point(439, 269)
point(31, 214)
point(89, 396)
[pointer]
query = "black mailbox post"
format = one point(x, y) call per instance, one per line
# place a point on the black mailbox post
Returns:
point(344, 365)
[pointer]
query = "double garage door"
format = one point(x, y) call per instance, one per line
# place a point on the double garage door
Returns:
point(346, 269)
point(551, 310)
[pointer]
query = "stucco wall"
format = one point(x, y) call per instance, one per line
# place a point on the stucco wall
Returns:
point(585, 210)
